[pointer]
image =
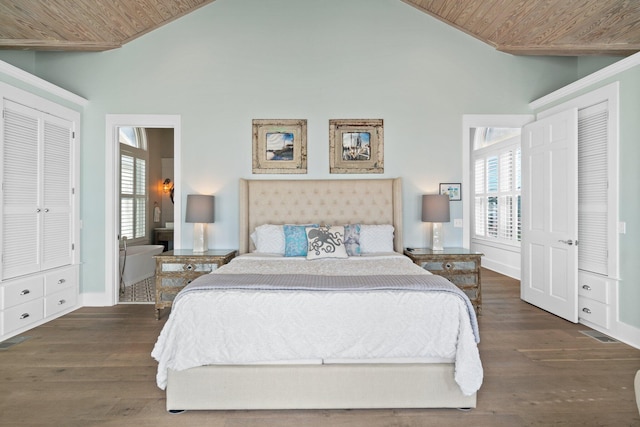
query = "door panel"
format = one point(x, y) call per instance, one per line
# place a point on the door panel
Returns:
point(550, 214)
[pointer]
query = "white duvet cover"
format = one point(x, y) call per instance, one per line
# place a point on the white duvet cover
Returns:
point(381, 326)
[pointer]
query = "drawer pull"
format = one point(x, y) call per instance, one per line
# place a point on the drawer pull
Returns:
point(61, 302)
point(586, 310)
point(586, 287)
point(24, 316)
point(25, 292)
point(61, 281)
point(448, 266)
point(189, 267)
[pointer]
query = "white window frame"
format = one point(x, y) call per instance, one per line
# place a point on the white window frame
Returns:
point(139, 153)
point(502, 190)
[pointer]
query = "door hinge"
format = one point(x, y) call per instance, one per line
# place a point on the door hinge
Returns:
point(73, 246)
point(73, 190)
point(73, 135)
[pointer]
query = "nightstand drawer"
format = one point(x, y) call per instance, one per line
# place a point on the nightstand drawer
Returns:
point(175, 282)
point(444, 266)
point(461, 279)
point(169, 267)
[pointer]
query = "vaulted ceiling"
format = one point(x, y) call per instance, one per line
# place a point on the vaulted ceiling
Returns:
point(519, 27)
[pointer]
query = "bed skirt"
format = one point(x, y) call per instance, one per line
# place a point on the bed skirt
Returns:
point(336, 386)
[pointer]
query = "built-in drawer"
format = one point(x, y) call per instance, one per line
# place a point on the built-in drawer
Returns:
point(59, 301)
point(59, 279)
point(594, 287)
point(21, 291)
point(22, 315)
point(593, 311)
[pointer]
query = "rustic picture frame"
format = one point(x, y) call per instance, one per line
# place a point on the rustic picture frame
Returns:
point(279, 146)
point(356, 146)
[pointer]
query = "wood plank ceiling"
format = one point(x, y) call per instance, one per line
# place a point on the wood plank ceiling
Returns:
point(519, 27)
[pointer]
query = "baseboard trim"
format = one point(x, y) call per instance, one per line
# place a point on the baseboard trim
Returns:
point(95, 299)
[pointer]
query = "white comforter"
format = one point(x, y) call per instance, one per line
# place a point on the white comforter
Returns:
point(382, 326)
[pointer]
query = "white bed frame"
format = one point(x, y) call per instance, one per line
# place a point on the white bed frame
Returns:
point(372, 201)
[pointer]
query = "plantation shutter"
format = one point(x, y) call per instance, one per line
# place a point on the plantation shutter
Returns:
point(593, 189)
point(126, 196)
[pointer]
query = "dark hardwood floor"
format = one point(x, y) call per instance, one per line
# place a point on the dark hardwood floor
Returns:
point(93, 368)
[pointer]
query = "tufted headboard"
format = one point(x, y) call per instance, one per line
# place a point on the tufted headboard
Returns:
point(341, 201)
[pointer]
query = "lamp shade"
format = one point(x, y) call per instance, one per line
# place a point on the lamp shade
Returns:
point(200, 208)
point(435, 208)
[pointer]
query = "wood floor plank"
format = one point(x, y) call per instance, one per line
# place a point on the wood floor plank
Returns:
point(93, 367)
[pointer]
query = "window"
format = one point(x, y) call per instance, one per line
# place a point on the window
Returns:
point(133, 182)
point(496, 178)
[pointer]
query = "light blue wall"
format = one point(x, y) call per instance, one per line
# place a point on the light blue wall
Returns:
point(236, 60)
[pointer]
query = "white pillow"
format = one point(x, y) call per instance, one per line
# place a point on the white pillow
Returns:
point(269, 238)
point(376, 238)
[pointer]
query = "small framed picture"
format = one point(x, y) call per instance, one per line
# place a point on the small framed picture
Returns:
point(453, 190)
point(279, 146)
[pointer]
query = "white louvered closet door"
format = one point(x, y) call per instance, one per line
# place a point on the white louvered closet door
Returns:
point(36, 171)
point(56, 193)
point(593, 189)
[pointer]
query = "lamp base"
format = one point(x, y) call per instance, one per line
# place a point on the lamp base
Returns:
point(200, 244)
point(436, 236)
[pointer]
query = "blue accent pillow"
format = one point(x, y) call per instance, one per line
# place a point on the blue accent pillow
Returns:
point(295, 239)
point(352, 239)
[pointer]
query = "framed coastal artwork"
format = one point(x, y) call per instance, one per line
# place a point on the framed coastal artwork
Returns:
point(279, 146)
point(356, 146)
point(453, 190)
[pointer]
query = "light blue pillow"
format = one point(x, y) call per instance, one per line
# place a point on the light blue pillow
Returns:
point(295, 239)
point(352, 239)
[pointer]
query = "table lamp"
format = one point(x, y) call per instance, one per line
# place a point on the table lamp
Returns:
point(200, 212)
point(435, 209)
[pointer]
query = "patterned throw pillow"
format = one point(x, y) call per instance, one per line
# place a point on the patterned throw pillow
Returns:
point(352, 239)
point(295, 239)
point(325, 242)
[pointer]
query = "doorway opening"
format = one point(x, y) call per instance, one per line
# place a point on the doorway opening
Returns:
point(143, 198)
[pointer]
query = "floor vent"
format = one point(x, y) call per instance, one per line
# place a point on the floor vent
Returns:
point(6, 344)
point(599, 336)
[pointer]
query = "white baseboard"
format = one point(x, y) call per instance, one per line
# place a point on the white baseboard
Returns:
point(95, 299)
point(501, 268)
point(628, 334)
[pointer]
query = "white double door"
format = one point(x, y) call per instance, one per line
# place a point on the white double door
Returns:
point(550, 214)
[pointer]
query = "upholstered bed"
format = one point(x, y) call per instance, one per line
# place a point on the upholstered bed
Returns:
point(267, 368)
